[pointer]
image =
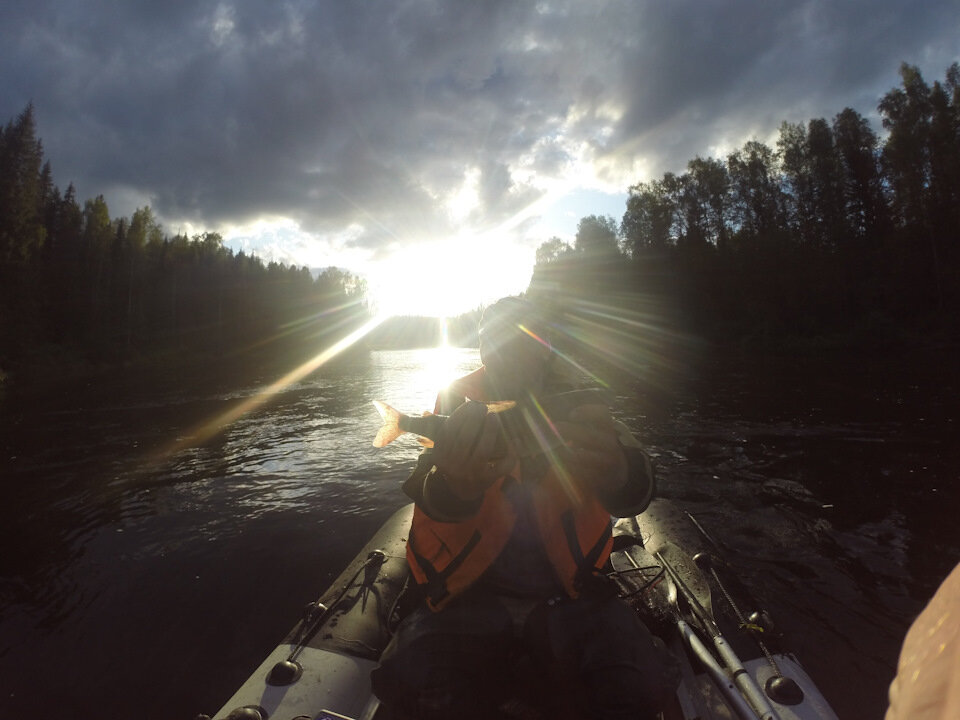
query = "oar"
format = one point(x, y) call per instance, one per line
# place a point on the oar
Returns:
point(689, 636)
point(779, 687)
point(744, 681)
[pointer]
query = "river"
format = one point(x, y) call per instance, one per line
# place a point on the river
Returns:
point(156, 548)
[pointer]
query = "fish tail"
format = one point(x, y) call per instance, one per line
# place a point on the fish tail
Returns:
point(390, 430)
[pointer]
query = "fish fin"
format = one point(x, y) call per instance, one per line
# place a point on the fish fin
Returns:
point(390, 430)
point(500, 405)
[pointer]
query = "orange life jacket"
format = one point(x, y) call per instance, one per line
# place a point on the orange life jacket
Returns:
point(448, 557)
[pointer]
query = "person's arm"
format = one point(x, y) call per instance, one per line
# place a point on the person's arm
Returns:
point(428, 488)
point(451, 478)
point(641, 484)
point(606, 459)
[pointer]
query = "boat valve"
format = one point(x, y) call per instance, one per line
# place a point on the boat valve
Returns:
point(248, 712)
point(285, 672)
point(784, 690)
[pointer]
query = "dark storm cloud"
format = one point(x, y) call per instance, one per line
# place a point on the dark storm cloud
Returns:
point(371, 113)
point(701, 74)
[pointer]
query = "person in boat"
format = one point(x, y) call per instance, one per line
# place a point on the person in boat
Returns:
point(507, 548)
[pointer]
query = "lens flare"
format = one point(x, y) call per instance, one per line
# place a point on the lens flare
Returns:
point(209, 429)
point(540, 424)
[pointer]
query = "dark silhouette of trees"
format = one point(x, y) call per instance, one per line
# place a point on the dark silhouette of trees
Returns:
point(552, 250)
point(864, 205)
point(829, 233)
point(25, 190)
point(920, 163)
point(648, 222)
point(596, 238)
point(79, 287)
point(709, 202)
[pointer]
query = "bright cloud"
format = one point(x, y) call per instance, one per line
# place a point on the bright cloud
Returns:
point(345, 130)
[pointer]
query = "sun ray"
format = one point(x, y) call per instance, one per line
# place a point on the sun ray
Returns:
point(203, 432)
point(540, 424)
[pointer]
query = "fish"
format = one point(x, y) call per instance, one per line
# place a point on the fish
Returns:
point(427, 426)
point(532, 435)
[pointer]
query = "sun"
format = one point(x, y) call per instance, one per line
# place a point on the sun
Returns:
point(448, 278)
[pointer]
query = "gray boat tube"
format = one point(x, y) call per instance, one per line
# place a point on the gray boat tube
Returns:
point(322, 668)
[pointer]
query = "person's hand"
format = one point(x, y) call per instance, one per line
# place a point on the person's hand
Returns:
point(468, 453)
point(595, 458)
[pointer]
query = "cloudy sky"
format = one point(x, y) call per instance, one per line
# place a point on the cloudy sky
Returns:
point(430, 146)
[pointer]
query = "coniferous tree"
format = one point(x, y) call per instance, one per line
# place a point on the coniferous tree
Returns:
point(861, 182)
point(22, 190)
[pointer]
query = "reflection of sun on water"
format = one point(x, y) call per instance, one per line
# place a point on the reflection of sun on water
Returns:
point(442, 365)
point(425, 372)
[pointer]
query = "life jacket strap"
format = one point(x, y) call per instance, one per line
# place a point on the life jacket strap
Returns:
point(436, 585)
point(586, 564)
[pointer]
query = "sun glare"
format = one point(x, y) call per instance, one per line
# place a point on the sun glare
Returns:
point(204, 432)
point(449, 278)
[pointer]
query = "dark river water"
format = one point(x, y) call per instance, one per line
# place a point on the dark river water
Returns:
point(155, 548)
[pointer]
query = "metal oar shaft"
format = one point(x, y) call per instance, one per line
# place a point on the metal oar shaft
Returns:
point(702, 615)
point(704, 561)
point(753, 693)
point(720, 677)
point(744, 680)
point(743, 624)
point(706, 658)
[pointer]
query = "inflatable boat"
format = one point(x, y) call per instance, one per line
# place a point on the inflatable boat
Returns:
point(667, 567)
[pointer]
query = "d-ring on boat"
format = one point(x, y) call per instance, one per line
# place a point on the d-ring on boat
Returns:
point(666, 565)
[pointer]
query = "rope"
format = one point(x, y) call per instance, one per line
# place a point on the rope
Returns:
point(649, 585)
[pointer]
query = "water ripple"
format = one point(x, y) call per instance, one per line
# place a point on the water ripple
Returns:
point(833, 496)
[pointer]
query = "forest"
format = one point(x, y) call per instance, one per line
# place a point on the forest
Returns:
point(837, 234)
point(835, 237)
point(80, 290)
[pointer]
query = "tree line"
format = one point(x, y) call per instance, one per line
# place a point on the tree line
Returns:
point(834, 231)
point(80, 287)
